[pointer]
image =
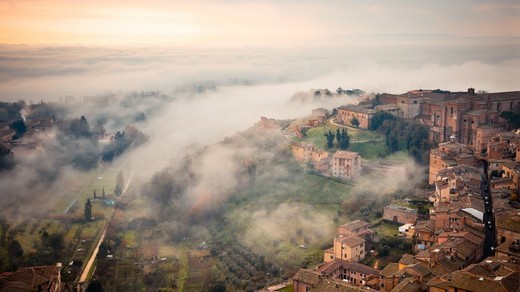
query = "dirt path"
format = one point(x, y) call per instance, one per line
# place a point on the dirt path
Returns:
point(92, 258)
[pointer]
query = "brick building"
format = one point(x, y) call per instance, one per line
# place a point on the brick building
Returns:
point(349, 248)
point(344, 276)
point(459, 114)
point(400, 214)
point(349, 243)
point(362, 113)
point(345, 164)
point(449, 155)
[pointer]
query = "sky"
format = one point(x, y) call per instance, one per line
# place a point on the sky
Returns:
point(160, 22)
point(55, 48)
point(241, 60)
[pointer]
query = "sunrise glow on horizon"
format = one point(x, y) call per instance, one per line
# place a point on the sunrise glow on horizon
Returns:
point(162, 22)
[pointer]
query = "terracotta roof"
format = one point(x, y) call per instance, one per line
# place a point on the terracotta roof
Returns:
point(407, 259)
point(337, 286)
point(467, 281)
point(345, 154)
point(357, 109)
point(389, 270)
point(504, 248)
point(448, 265)
point(408, 285)
point(419, 269)
point(466, 248)
point(307, 276)
point(330, 267)
point(352, 241)
point(509, 222)
point(386, 107)
point(354, 225)
point(30, 277)
point(474, 237)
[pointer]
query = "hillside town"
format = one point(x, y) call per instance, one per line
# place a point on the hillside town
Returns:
point(470, 238)
point(465, 236)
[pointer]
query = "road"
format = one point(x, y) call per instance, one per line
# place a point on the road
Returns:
point(93, 256)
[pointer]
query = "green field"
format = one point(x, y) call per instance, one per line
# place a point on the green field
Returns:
point(385, 228)
point(370, 145)
point(63, 215)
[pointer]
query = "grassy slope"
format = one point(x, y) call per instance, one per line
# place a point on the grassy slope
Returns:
point(369, 145)
point(307, 195)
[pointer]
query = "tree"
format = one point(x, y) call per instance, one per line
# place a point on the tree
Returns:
point(330, 139)
point(345, 140)
point(78, 128)
point(55, 242)
point(117, 190)
point(378, 120)
point(95, 197)
point(15, 254)
point(513, 119)
point(19, 128)
point(88, 211)
point(354, 122)
point(119, 179)
point(95, 286)
point(122, 141)
point(103, 194)
point(338, 137)
point(6, 157)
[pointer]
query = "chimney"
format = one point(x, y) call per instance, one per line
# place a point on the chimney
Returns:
point(435, 256)
point(471, 91)
point(452, 138)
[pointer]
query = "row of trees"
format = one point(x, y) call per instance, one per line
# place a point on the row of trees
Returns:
point(342, 139)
